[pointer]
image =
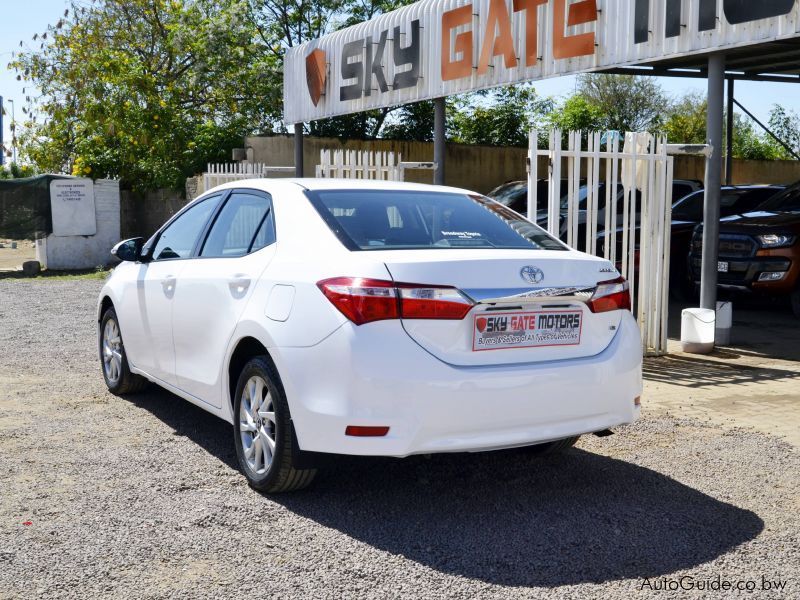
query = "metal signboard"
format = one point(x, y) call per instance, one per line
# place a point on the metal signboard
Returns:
point(436, 48)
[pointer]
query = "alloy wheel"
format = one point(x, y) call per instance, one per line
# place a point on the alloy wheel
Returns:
point(112, 351)
point(257, 425)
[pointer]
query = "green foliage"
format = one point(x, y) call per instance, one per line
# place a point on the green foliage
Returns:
point(686, 124)
point(686, 120)
point(500, 118)
point(786, 125)
point(750, 143)
point(16, 171)
point(147, 90)
point(577, 114)
point(413, 122)
point(627, 102)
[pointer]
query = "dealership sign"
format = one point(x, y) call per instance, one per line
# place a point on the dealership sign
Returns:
point(437, 48)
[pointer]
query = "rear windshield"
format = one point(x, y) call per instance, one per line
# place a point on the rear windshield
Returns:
point(397, 219)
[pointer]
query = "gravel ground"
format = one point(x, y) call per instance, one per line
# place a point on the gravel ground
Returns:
point(140, 498)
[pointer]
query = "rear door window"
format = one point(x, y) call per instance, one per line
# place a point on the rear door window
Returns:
point(399, 219)
point(240, 227)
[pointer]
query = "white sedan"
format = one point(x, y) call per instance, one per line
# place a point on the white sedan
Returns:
point(370, 318)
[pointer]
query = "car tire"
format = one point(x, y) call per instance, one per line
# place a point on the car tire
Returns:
point(262, 421)
point(553, 447)
point(113, 359)
point(795, 299)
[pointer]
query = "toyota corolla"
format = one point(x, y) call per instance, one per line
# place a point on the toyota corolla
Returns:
point(370, 318)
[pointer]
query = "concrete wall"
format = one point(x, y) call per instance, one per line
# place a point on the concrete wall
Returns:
point(86, 252)
point(481, 168)
point(143, 214)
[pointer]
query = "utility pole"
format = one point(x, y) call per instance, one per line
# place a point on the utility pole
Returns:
point(13, 133)
point(2, 148)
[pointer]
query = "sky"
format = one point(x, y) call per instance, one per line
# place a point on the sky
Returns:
point(21, 19)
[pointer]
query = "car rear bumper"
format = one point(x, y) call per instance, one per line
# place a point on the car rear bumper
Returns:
point(376, 375)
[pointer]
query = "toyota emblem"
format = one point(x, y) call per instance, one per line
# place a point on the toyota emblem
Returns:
point(532, 274)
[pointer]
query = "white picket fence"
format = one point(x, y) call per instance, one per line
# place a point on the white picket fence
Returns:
point(642, 171)
point(219, 173)
point(353, 164)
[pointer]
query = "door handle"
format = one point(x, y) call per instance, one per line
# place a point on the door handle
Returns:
point(238, 285)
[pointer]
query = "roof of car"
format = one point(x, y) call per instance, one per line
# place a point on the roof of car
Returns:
point(325, 183)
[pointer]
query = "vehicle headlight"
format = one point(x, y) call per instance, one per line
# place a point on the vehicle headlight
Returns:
point(773, 240)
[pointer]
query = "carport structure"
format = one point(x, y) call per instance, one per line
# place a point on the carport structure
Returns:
point(435, 48)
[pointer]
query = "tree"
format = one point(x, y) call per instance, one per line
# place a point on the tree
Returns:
point(283, 24)
point(686, 120)
point(686, 124)
point(748, 143)
point(500, 118)
point(577, 114)
point(785, 124)
point(146, 90)
point(629, 103)
point(412, 122)
point(16, 171)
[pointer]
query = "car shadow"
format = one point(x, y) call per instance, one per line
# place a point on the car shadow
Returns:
point(214, 435)
point(508, 517)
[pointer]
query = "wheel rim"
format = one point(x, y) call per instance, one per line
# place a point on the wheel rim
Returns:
point(257, 425)
point(112, 351)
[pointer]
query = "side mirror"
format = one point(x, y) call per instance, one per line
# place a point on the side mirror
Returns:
point(128, 250)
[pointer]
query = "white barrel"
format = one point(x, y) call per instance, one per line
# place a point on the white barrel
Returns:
point(724, 322)
point(697, 330)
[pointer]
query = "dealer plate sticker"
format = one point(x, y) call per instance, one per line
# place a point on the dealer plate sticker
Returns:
point(526, 330)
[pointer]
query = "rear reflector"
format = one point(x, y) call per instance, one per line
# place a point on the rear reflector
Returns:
point(610, 295)
point(366, 300)
point(361, 431)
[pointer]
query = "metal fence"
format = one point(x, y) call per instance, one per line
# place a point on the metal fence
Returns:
point(618, 205)
point(219, 173)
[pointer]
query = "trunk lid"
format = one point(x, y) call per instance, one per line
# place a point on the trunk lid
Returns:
point(515, 320)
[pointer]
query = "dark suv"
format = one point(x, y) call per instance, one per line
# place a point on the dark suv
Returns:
point(759, 251)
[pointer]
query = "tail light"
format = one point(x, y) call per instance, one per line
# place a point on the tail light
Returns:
point(366, 300)
point(610, 295)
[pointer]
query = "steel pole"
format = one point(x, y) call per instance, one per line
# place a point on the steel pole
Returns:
point(2, 148)
point(729, 135)
point(439, 139)
point(298, 149)
point(13, 133)
point(713, 182)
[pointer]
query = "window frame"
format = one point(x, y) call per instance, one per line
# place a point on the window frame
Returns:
point(151, 244)
point(224, 196)
point(213, 220)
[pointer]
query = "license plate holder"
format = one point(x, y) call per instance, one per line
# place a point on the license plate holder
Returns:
point(526, 329)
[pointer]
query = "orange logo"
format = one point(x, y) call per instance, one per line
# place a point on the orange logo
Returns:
point(316, 74)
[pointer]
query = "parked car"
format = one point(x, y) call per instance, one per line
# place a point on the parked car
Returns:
point(686, 214)
point(679, 189)
point(758, 251)
point(514, 195)
point(370, 318)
